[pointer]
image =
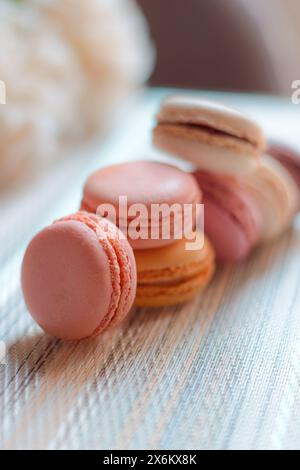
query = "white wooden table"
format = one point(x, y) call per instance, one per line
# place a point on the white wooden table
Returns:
point(222, 371)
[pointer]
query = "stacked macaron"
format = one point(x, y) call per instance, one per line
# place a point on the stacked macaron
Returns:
point(248, 196)
point(168, 272)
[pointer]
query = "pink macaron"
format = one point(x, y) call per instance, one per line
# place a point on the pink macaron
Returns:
point(232, 220)
point(78, 277)
point(144, 185)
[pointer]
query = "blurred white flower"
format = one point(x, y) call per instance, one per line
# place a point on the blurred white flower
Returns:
point(66, 65)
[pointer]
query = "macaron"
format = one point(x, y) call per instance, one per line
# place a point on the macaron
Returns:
point(212, 136)
point(173, 274)
point(289, 157)
point(135, 190)
point(232, 219)
point(276, 195)
point(78, 277)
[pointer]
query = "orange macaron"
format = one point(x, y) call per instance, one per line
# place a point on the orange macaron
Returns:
point(173, 274)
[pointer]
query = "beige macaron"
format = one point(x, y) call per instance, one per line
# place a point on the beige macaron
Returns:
point(212, 136)
point(276, 195)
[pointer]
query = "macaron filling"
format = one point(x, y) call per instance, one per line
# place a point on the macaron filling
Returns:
point(207, 129)
point(174, 276)
point(210, 116)
point(182, 286)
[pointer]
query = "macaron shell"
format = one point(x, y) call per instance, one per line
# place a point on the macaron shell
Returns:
point(63, 267)
point(172, 257)
point(230, 241)
point(143, 182)
point(223, 155)
point(195, 110)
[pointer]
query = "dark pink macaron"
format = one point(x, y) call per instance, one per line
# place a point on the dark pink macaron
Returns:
point(78, 277)
point(232, 220)
point(144, 183)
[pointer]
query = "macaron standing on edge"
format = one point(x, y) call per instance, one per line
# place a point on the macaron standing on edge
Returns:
point(232, 219)
point(276, 195)
point(289, 157)
point(78, 277)
point(212, 136)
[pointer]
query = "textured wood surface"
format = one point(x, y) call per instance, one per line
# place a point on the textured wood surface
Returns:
point(219, 372)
